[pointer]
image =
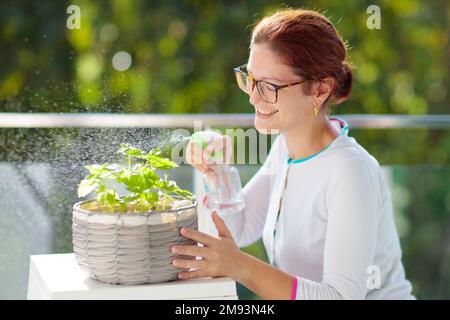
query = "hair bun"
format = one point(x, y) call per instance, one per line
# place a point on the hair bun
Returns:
point(345, 86)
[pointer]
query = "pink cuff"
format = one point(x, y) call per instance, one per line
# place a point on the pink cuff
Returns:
point(294, 288)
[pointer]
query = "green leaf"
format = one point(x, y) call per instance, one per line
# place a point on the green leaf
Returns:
point(129, 150)
point(133, 182)
point(161, 163)
point(125, 147)
point(150, 196)
point(145, 190)
point(111, 197)
point(97, 169)
point(86, 186)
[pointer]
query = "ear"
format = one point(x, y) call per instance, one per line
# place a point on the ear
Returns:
point(323, 90)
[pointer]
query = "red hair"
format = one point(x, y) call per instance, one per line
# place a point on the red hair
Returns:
point(308, 42)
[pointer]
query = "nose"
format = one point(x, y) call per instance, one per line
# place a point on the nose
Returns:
point(254, 96)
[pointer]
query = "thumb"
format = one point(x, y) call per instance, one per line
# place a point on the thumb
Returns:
point(220, 225)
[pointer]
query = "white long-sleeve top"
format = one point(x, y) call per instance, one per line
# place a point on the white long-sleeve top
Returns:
point(334, 231)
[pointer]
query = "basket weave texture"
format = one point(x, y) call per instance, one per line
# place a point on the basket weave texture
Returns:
point(131, 248)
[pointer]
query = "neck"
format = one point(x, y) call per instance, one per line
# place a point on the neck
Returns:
point(308, 139)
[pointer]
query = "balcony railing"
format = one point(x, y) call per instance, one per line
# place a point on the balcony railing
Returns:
point(116, 120)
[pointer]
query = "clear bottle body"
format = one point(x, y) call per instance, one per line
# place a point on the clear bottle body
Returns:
point(223, 189)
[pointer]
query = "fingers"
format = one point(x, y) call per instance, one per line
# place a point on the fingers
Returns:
point(194, 156)
point(222, 147)
point(193, 274)
point(220, 225)
point(194, 251)
point(201, 159)
point(205, 202)
point(192, 264)
point(198, 236)
point(228, 148)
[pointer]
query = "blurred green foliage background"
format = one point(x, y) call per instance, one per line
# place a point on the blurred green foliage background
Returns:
point(183, 53)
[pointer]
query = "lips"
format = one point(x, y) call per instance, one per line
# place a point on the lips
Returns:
point(266, 112)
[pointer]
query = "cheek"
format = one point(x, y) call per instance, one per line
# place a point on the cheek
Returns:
point(295, 105)
point(292, 110)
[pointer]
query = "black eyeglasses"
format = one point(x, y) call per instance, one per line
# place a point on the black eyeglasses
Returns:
point(267, 91)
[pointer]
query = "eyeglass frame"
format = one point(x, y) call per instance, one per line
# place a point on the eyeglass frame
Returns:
point(275, 86)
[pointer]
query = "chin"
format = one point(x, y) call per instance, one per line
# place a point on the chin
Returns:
point(265, 128)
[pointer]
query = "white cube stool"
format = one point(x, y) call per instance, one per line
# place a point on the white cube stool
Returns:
point(58, 277)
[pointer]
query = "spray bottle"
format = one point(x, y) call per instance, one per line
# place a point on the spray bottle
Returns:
point(223, 186)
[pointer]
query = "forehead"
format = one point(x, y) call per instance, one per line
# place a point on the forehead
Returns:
point(263, 62)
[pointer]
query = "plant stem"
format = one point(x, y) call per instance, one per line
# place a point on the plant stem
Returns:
point(114, 200)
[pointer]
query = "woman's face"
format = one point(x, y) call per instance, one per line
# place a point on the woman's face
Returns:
point(293, 108)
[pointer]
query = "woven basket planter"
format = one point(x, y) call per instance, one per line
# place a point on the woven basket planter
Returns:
point(130, 248)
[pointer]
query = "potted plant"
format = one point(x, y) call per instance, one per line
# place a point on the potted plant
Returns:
point(124, 234)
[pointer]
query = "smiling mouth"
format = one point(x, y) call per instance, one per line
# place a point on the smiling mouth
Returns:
point(266, 113)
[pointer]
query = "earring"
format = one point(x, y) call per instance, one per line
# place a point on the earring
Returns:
point(316, 110)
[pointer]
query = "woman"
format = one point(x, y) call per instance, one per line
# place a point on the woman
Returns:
point(319, 201)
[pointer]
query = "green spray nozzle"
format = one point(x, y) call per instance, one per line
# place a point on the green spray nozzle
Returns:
point(203, 138)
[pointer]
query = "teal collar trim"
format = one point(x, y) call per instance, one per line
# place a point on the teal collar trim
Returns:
point(290, 161)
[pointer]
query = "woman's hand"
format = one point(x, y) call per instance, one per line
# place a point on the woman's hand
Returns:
point(219, 256)
point(200, 158)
